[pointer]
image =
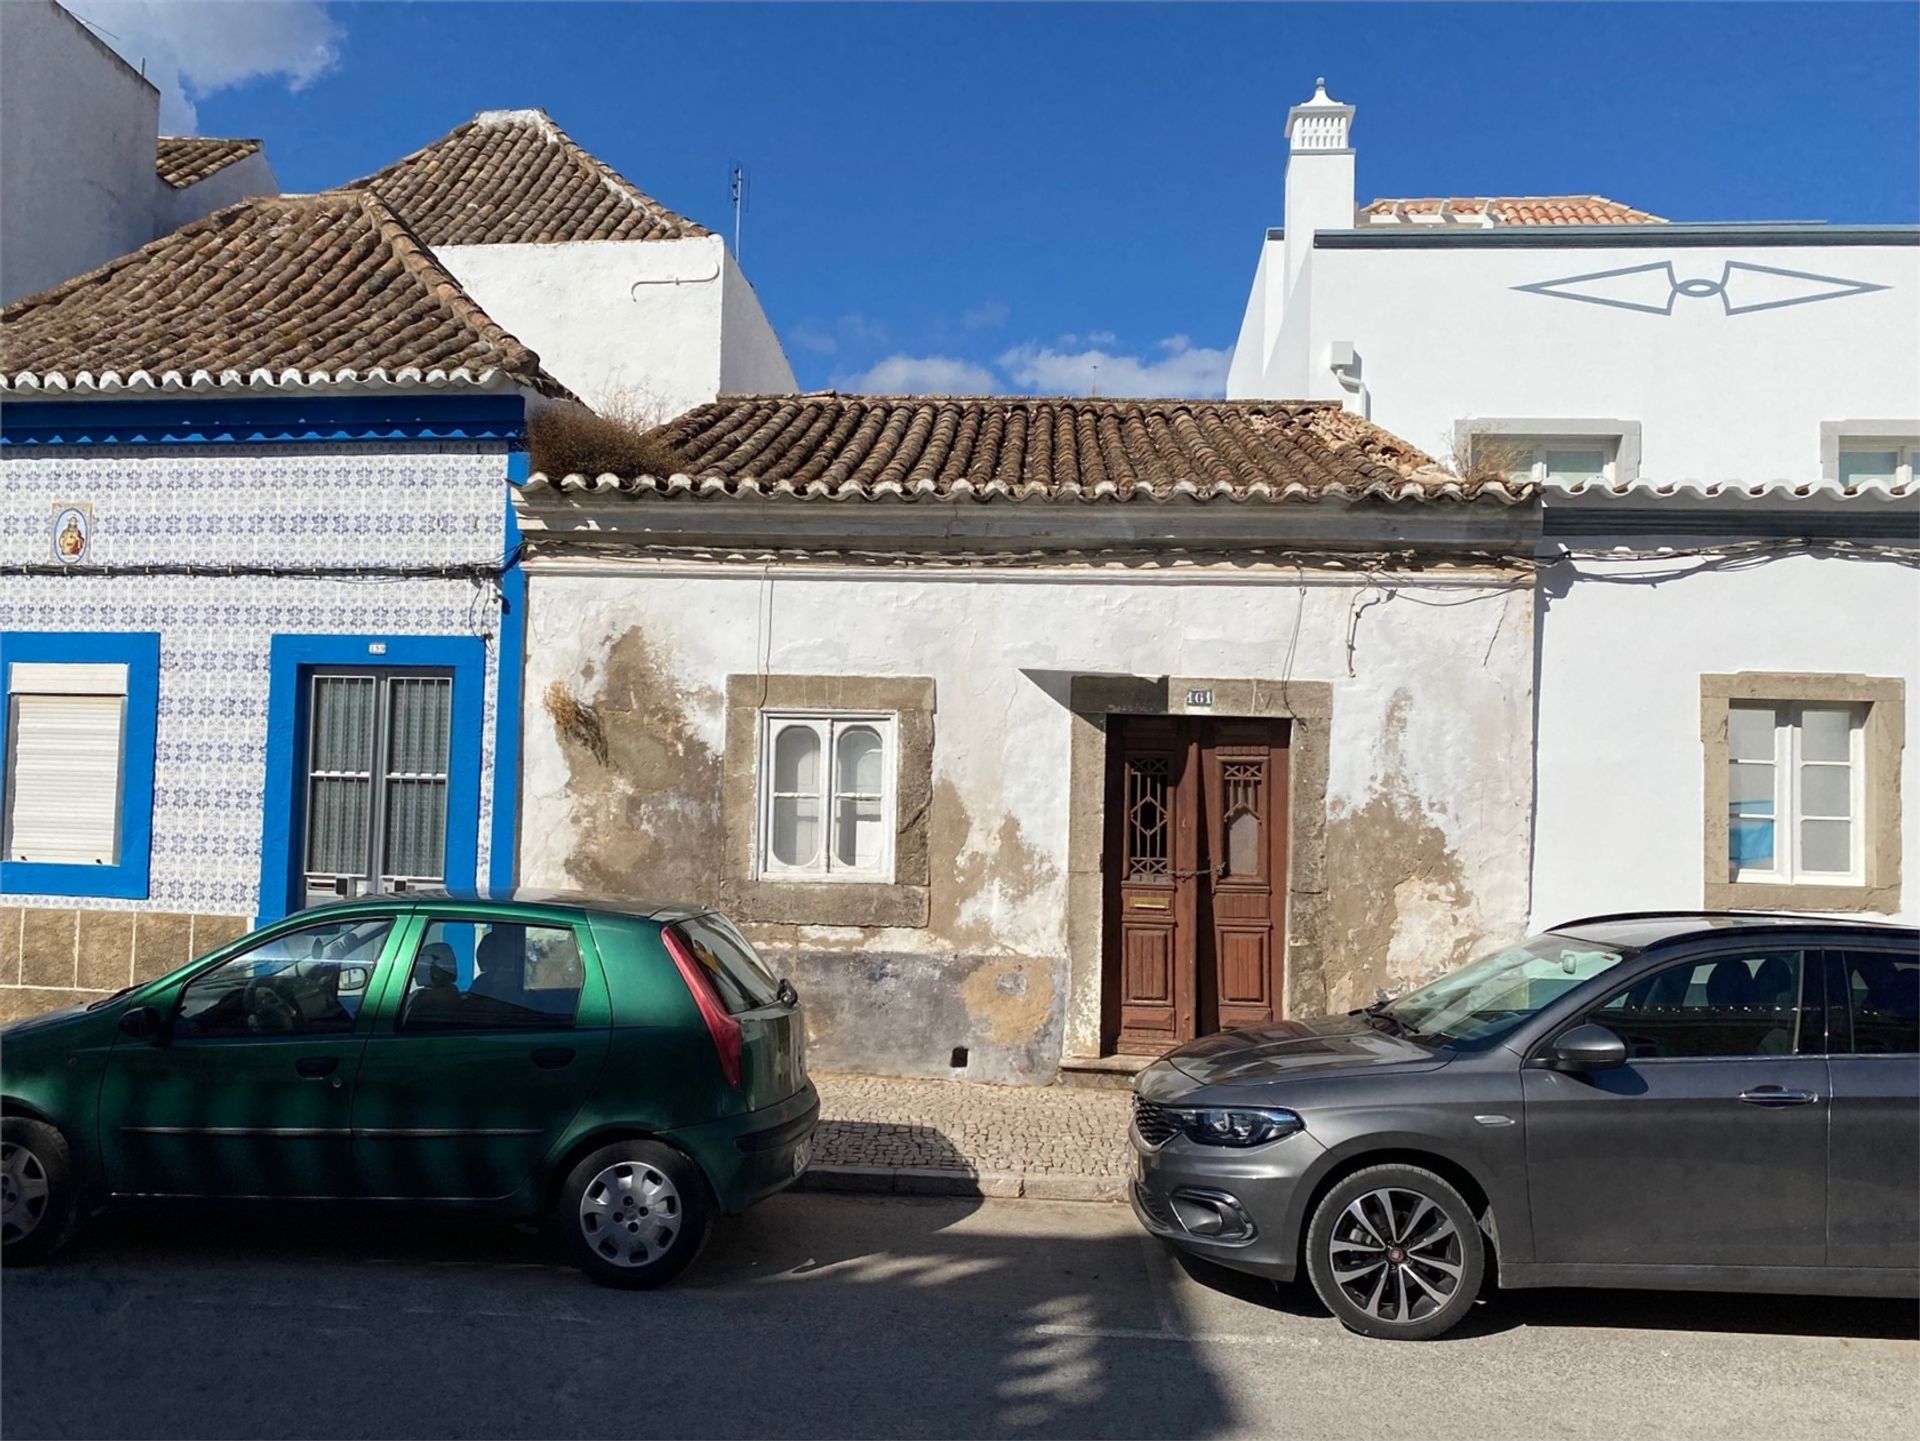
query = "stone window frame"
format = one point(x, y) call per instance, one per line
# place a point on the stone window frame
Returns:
point(902, 902)
point(1623, 435)
point(1308, 705)
point(1883, 739)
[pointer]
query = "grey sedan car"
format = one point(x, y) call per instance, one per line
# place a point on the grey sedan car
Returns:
point(1697, 1101)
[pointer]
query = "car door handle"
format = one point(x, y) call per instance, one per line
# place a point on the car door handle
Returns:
point(552, 1058)
point(317, 1066)
point(1776, 1096)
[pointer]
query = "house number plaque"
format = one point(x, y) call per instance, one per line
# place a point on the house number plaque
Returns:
point(1200, 698)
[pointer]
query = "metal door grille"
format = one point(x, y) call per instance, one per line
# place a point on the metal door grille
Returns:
point(1147, 829)
point(378, 744)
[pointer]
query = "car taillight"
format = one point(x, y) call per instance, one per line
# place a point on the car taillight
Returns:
point(721, 1026)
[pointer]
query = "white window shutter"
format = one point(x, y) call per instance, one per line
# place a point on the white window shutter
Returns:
point(63, 779)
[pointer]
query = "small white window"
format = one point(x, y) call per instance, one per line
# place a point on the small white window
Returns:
point(66, 725)
point(1878, 462)
point(1794, 792)
point(827, 796)
point(1562, 460)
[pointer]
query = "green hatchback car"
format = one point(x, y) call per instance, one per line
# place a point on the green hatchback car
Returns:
point(634, 1069)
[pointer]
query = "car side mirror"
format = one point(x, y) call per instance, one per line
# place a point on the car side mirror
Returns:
point(1587, 1048)
point(141, 1023)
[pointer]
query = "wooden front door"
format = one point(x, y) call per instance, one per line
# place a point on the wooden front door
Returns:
point(1195, 869)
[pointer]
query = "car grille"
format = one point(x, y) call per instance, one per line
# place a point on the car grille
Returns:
point(1156, 1209)
point(1157, 1125)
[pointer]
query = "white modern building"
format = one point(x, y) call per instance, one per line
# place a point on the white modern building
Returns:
point(1725, 419)
point(85, 175)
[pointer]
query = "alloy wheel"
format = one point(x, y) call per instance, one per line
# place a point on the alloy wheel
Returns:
point(630, 1214)
point(24, 1190)
point(1396, 1255)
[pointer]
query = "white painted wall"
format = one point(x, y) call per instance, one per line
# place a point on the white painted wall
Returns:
point(752, 361)
point(77, 129)
point(1444, 336)
point(1620, 768)
point(617, 321)
point(1435, 714)
point(228, 185)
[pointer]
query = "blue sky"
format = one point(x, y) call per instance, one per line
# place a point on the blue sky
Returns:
point(1004, 197)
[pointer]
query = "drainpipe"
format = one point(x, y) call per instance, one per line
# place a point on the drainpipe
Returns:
point(1344, 361)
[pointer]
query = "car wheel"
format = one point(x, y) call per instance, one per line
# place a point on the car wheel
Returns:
point(635, 1213)
point(1395, 1252)
point(38, 1208)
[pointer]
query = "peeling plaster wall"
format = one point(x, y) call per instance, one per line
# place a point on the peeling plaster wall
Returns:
point(1428, 796)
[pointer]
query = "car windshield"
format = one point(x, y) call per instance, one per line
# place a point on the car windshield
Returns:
point(1477, 1004)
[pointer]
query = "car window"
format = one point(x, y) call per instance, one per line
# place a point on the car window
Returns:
point(1742, 1005)
point(1477, 1004)
point(493, 976)
point(738, 973)
point(309, 982)
point(1883, 990)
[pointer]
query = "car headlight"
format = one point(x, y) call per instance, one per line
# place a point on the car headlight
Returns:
point(1235, 1127)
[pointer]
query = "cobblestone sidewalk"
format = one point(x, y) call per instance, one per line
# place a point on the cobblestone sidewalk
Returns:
point(967, 1138)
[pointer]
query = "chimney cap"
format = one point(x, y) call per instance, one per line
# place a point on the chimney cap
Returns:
point(1321, 123)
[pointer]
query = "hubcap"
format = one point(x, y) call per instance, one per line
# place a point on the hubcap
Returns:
point(630, 1214)
point(1396, 1256)
point(23, 1192)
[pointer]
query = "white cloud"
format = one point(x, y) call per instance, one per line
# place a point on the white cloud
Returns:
point(988, 315)
point(191, 49)
point(857, 329)
point(924, 375)
point(1180, 370)
point(809, 335)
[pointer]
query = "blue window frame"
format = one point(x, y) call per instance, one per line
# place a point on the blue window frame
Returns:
point(139, 652)
point(292, 662)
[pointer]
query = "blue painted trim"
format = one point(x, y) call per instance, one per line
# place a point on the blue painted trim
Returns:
point(218, 421)
point(283, 809)
point(504, 852)
point(139, 651)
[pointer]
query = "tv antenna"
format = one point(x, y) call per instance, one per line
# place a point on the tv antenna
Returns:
point(737, 191)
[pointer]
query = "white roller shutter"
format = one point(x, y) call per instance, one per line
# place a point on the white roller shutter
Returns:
point(63, 766)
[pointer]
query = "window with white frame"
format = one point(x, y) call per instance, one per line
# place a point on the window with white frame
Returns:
point(1883, 462)
point(66, 726)
point(1795, 786)
point(827, 796)
point(1563, 460)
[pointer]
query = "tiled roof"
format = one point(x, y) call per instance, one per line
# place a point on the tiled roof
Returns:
point(1513, 210)
point(841, 447)
point(183, 160)
point(285, 291)
point(512, 177)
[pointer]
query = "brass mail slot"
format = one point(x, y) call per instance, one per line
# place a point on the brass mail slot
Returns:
point(1150, 903)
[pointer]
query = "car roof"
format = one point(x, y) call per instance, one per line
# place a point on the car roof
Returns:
point(1640, 929)
point(651, 910)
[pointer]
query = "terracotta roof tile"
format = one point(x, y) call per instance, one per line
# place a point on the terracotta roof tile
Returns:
point(1514, 210)
point(841, 447)
point(512, 177)
point(287, 290)
point(183, 160)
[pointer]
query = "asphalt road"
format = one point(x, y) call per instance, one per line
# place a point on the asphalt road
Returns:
point(822, 1315)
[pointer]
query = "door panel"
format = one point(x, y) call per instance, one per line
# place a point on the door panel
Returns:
point(491, 1038)
point(1873, 1216)
point(1151, 845)
point(249, 1090)
point(1195, 865)
point(1709, 1146)
point(1244, 765)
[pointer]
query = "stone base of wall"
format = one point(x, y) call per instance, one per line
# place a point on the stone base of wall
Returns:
point(902, 1014)
point(51, 958)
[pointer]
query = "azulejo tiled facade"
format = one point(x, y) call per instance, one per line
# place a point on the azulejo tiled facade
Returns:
point(272, 535)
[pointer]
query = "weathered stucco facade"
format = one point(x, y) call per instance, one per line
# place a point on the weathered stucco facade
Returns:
point(1409, 850)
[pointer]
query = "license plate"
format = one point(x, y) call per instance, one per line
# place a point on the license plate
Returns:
point(802, 1153)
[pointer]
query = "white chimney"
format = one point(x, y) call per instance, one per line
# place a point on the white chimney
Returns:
point(1319, 169)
